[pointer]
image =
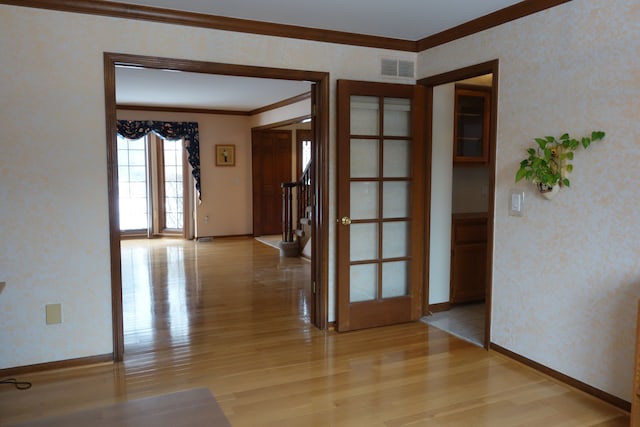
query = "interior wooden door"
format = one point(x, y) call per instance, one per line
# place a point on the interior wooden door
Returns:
point(380, 210)
point(271, 165)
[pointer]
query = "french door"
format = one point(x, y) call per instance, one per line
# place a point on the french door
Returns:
point(380, 210)
point(153, 190)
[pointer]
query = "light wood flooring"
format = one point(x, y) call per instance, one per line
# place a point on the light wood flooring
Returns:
point(231, 315)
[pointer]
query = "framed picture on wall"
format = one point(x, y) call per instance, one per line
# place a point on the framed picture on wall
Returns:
point(225, 155)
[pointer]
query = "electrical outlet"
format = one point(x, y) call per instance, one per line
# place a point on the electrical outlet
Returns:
point(53, 313)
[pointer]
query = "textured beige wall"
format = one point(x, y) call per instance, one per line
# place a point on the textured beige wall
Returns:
point(566, 276)
point(53, 192)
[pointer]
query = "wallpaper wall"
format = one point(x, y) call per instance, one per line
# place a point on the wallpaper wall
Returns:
point(54, 228)
point(566, 276)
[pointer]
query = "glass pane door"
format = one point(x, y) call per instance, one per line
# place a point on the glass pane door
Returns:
point(380, 180)
point(172, 152)
point(379, 191)
point(132, 184)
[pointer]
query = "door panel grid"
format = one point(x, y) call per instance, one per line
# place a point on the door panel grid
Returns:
point(376, 192)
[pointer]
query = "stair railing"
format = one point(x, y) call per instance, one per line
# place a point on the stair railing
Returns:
point(303, 199)
point(287, 211)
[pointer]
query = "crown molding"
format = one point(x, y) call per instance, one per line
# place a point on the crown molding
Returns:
point(283, 103)
point(176, 17)
point(502, 16)
point(163, 109)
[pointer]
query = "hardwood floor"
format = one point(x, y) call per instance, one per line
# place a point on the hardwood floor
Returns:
point(231, 315)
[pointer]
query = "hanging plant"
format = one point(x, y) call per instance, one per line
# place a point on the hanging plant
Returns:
point(548, 164)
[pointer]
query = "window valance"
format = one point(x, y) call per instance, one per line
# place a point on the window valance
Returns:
point(188, 131)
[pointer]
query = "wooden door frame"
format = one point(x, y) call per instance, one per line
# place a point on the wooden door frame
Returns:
point(489, 67)
point(321, 174)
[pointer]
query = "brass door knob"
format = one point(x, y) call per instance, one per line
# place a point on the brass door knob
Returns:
point(345, 220)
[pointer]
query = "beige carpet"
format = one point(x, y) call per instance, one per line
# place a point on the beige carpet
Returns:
point(195, 407)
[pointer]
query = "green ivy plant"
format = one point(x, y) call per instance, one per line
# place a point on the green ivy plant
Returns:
point(549, 163)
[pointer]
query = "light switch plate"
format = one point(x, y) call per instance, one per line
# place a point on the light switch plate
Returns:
point(53, 313)
point(516, 202)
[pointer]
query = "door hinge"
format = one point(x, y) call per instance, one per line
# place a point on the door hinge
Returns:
point(313, 287)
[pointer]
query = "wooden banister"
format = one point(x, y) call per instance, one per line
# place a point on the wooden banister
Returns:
point(303, 192)
point(287, 211)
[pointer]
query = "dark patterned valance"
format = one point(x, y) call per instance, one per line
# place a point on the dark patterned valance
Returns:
point(188, 131)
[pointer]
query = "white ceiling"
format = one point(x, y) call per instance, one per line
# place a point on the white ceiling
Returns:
point(401, 19)
point(161, 88)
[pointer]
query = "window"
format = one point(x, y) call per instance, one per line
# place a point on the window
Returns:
point(303, 138)
point(132, 183)
point(173, 184)
point(151, 174)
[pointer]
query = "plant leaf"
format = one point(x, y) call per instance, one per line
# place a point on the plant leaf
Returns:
point(541, 142)
point(564, 136)
point(566, 182)
point(520, 174)
point(586, 142)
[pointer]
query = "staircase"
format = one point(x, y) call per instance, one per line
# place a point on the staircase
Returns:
point(296, 230)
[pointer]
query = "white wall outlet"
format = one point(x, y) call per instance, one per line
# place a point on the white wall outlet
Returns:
point(516, 202)
point(53, 313)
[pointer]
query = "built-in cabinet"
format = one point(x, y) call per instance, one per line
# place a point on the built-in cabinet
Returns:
point(468, 257)
point(472, 107)
point(635, 400)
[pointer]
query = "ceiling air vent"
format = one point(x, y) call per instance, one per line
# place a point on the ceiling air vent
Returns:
point(396, 68)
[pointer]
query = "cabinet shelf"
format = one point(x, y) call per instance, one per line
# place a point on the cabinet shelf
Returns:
point(471, 125)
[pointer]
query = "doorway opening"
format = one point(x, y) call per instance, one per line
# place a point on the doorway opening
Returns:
point(320, 96)
point(461, 157)
point(289, 170)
